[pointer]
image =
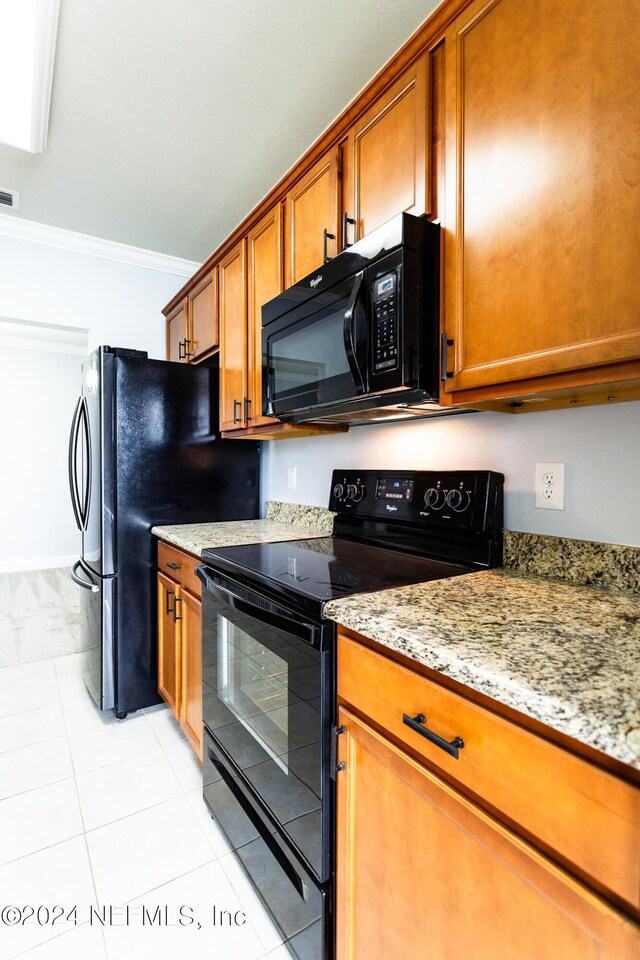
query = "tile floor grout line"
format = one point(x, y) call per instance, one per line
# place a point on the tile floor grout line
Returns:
point(40, 786)
point(112, 763)
point(75, 781)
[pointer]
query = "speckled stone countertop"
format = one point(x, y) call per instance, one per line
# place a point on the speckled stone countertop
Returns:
point(284, 522)
point(568, 656)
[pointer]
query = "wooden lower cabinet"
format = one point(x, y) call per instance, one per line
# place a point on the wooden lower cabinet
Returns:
point(191, 672)
point(180, 642)
point(169, 643)
point(423, 872)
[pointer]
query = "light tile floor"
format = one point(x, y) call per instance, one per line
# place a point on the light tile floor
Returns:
point(104, 813)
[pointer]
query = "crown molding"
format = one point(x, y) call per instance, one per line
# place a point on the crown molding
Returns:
point(20, 229)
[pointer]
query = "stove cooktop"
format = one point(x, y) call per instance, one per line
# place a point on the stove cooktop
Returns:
point(329, 567)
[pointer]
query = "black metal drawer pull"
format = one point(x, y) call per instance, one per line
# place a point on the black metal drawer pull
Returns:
point(417, 723)
point(326, 236)
point(173, 566)
point(167, 608)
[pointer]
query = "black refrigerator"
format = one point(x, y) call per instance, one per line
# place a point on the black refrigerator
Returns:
point(144, 450)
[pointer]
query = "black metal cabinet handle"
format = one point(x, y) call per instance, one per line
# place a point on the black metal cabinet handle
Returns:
point(445, 342)
point(326, 236)
point(175, 605)
point(416, 723)
point(247, 404)
point(182, 350)
point(167, 609)
point(346, 219)
point(174, 566)
point(236, 418)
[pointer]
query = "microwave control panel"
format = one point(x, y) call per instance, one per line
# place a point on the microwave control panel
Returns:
point(384, 296)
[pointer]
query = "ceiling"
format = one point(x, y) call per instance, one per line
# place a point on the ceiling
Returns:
point(171, 119)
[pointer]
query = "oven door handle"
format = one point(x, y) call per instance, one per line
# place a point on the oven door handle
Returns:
point(349, 334)
point(260, 609)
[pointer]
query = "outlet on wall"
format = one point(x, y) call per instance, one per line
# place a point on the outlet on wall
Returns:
point(550, 485)
point(291, 478)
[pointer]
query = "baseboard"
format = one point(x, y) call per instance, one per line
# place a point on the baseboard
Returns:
point(40, 563)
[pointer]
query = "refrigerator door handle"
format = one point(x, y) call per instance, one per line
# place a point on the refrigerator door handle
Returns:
point(73, 473)
point(83, 583)
point(84, 509)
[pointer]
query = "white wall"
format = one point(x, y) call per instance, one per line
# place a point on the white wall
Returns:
point(600, 446)
point(113, 302)
point(38, 393)
point(117, 303)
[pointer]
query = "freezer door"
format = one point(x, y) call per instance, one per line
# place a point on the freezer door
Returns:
point(98, 464)
point(97, 619)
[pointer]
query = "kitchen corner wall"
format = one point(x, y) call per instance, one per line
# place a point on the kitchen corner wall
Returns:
point(112, 302)
point(117, 303)
point(600, 446)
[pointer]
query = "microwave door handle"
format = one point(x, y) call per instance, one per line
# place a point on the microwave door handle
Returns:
point(348, 332)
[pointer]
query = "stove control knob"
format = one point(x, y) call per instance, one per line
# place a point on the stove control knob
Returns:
point(432, 499)
point(338, 490)
point(358, 492)
point(458, 500)
point(352, 490)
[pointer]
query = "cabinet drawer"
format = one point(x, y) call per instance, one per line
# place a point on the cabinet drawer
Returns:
point(587, 817)
point(180, 566)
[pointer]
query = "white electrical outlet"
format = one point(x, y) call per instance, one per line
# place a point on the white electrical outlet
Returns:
point(550, 486)
point(291, 478)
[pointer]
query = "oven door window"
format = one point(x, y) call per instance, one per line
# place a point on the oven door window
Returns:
point(262, 695)
point(321, 357)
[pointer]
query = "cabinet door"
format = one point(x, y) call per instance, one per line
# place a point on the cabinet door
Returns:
point(233, 338)
point(191, 692)
point(311, 208)
point(265, 267)
point(422, 872)
point(388, 154)
point(543, 202)
point(177, 332)
point(203, 317)
point(168, 643)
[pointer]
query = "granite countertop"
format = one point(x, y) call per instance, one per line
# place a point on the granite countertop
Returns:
point(196, 537)
point(568, 656)
point(285, 521)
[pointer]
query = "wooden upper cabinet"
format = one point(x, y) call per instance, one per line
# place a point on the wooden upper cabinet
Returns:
point(233, 337)
point(311, 211)
point(177, 331)
point(265, 281)
point(203, 316)
point(388, 156)
point(543, 190)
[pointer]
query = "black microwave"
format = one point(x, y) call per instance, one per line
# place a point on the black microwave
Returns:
point(357, 341)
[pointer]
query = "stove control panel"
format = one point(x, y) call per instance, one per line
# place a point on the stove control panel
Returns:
point(471, 499)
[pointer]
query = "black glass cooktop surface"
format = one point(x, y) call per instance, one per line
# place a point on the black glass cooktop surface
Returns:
point(328, 567)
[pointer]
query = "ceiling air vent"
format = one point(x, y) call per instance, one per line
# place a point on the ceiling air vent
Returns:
point(9, 198)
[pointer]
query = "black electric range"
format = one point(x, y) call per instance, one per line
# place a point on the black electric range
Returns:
point(269, 668)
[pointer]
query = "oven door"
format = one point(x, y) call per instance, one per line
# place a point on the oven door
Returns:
point(267, 703)
point(317, 353)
